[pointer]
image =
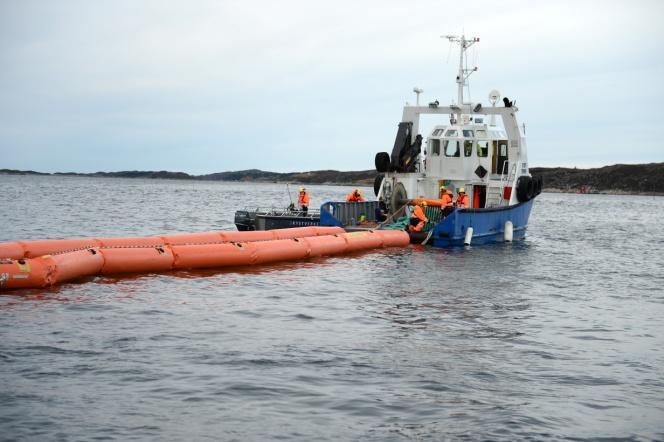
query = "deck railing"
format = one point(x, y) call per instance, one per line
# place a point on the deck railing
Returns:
point(339, 213)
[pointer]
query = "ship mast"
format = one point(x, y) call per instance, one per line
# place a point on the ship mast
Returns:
point(463, 73)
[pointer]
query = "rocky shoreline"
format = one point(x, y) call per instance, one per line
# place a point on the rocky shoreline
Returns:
point(618, 179)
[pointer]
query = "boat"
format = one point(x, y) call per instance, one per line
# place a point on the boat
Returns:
point(272, 218)
point(481, 148)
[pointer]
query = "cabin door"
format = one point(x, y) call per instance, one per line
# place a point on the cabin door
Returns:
point(494, 157)
point(499, 160)
point(479, 197)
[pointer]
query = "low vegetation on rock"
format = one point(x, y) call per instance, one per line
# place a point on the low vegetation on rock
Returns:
point(619, 178)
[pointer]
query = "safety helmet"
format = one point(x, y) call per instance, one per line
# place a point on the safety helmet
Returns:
point(462, 190)
point(443, 188)
point(423, 203)
point(357, 190)
point(301, 189)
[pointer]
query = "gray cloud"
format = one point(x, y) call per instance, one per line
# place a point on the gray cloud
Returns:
point(209, 85)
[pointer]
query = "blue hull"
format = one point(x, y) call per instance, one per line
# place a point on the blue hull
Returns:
point(488, 225)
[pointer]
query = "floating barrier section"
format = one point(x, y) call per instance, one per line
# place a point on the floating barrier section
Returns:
point(34, 249)
point(64, 260)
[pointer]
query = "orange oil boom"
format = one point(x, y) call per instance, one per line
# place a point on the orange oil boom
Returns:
point(34, 249)
point(197, 250)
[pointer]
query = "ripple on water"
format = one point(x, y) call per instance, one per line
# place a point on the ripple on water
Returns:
point(554, 338)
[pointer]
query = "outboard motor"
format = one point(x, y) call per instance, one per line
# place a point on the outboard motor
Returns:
point(244, 220)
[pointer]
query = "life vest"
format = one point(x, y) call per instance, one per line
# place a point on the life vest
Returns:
point(419, 214)
point(463, 201)
point(447, 199)
point(417, 220)
point(303, 199)
point(354, 198)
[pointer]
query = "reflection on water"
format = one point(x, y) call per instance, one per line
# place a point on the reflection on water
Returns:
point(555, 337)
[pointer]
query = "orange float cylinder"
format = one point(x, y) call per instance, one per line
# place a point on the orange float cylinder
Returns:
point(326, 245)
point(267, 235)
point(11, 250)
point(25, 273)
point(198, 256)
point(295, 232)
point(247, 236)
point(76, 264)
point(320, 231)
point(192, 238)
point(138, 241)
point(34, 249)
point(363, 240)
point(393, 238)
point(137, 260)
point(279, 250)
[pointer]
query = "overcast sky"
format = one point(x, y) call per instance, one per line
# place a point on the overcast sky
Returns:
point(208, 86)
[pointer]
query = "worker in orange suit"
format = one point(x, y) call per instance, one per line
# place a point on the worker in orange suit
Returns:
point(446, 196)
point(446, 201)
point(354, 197)
point(462, 200)
point(303, 200)
point(418, 219)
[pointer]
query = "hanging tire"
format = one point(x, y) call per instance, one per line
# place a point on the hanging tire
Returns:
point(531, 189)
point(382, 161)
point(377, 182)
point(522, 185)
point(540, 184)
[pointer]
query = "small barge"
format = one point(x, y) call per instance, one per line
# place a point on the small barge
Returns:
point(269, 219)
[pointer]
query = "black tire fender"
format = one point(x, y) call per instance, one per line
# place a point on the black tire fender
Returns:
point(522, 185)
point(531, 189)
point(540, 184)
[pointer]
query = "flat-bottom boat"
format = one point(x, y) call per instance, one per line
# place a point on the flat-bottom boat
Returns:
point(269, 219)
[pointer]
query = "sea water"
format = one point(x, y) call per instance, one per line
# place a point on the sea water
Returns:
point(557, 337)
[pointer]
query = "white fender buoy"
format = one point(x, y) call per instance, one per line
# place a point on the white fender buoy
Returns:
point(509, 231)
point(469, 236)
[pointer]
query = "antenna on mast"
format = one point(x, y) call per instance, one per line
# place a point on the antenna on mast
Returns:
point(417, 91)
point(463, 73)
point(494, 96)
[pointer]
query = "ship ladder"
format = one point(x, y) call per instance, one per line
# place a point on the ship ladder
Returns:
point(504, 181)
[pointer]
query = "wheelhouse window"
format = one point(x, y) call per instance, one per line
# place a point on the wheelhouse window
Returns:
point(502, 148)
point(467, 148)
point(481, 133)
point(434, 147)
point(467, 133)
point(451, 148)
point(482, 149)
point(451, 133)
point(437, 132)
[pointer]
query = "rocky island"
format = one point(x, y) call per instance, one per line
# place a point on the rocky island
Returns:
point(647, 179)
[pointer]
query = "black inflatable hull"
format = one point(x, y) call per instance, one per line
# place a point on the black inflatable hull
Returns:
point(417, 237)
